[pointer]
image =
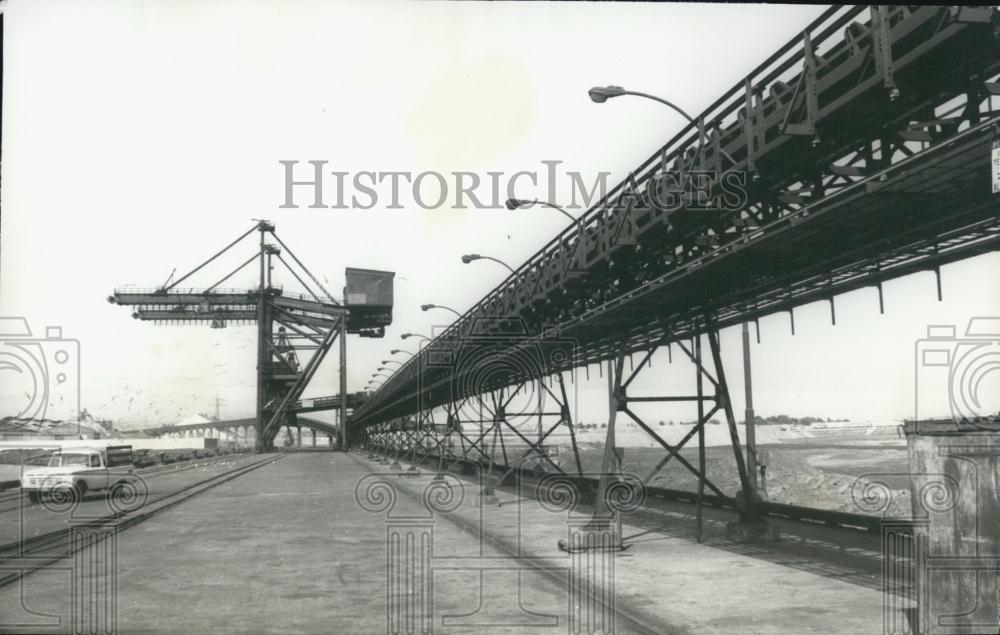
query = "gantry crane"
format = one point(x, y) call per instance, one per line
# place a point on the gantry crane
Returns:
point(309, 322)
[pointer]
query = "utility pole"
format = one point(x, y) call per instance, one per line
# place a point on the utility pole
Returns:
point(262, 336)
point(343, 382)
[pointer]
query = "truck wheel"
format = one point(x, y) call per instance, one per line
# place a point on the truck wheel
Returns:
point(61, 499)
point(120, 490)
point(34, 497)
point(128, 495)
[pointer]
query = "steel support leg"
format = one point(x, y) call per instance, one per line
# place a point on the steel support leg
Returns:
point(606, 521)
point(701, 439)
point(752, 525)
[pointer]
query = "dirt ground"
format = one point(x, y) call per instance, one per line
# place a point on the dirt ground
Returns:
point(863, 475)
point(841, 479)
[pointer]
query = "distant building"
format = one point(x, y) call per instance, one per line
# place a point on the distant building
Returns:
point(14, 428)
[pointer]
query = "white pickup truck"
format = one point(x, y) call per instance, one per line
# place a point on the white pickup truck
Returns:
point(76, 471)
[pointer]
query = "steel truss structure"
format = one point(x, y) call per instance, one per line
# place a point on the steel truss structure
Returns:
point(857, 153)
point(290, 328)
point(453, 444)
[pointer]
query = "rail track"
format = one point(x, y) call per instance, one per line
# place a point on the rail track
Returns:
point(24, 556)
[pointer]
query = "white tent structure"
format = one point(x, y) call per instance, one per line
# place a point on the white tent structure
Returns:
point(193, 420)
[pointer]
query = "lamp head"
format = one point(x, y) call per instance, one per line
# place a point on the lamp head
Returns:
point(514, 203)
point(467, 258)
point(599, 94)
point(426, 307)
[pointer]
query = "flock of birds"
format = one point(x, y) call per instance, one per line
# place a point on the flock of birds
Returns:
point(171, 401)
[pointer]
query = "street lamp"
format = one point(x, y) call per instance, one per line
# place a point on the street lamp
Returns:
point(380, 375)
point(470, 257)
point(599, 95)
point(406, 335)
point(516, 203)
point(399, 350)
point(428, 307)
point(386, 361)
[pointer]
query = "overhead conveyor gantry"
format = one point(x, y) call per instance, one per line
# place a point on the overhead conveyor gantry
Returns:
point(862, 153)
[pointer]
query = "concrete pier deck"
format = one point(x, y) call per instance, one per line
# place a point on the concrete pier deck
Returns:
point(324, 542)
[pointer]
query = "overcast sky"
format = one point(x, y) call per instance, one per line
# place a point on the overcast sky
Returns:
point(140, 137)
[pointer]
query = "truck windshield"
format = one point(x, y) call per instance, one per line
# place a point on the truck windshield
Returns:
point(62, 460)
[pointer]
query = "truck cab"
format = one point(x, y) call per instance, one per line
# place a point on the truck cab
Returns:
point(77, 471)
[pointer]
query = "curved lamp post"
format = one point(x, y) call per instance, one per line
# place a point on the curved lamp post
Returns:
point(470, 257)
point(428, 307)
point(406, 335)
point(599, 95)
point(516, 203)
